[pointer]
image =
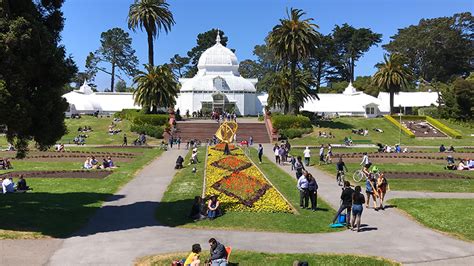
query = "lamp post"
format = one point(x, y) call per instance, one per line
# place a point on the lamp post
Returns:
point(400, 132)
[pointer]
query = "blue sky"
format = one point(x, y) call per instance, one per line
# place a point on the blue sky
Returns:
point(245, 22)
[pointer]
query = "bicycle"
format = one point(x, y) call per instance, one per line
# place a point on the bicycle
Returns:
point(340, 177)
point(359, 176)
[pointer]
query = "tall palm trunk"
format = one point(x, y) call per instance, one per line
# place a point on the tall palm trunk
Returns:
point(293, 104)
point(392, 98)
point(112, 80)
point(150, 48)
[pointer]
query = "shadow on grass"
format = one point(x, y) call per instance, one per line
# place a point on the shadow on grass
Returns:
point(50, 214)
point(333, 124)
point(174, 213)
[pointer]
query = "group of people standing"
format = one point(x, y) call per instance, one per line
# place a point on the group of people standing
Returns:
point(324, 157)
point(281, 152)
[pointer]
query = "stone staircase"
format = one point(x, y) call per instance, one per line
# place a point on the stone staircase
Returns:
point(203, 130)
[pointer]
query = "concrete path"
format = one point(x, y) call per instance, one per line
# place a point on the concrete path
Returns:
point(124, 229)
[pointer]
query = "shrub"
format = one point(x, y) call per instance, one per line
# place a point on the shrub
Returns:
point(128, 114)
point(292, 133)
point(428, 111)
point(398, 125)
point(447, 130)
point(149, 130)
point(290, 121)
point(151, 119)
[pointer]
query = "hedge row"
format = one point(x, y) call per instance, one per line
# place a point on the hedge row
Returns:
point(151, 119)
point(128, 114)
point(398, 125)
point(440, 126)
point(291, 133)
point(281, 122)
point(149, 130)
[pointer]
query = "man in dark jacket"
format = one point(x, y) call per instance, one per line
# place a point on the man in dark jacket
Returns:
point(346, 197)
point(218, 253)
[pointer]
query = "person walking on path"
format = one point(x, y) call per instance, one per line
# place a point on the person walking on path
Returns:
point(329, 154)
point(382, 185)
point(307, 156)
point(370, 190)
point(170, 141)
point(218, 253)
point(276, 151)
point(302, 186)
point(358, 201)
point(250, 140)
point(346, 197)
point(260, 153)
point(125, 142)
point(321, 154)
point(299, 168)
point(313, 192)
point(178, 142)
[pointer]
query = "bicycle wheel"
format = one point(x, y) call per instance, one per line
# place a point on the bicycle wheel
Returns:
point(357, 176)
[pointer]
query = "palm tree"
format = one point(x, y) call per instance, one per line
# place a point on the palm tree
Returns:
point(153, 15)
point(155, 88)
point(280, 87)
point(392, 75)
point(294, 40)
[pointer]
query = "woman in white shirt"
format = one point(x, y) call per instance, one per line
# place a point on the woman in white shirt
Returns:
point(307, 156)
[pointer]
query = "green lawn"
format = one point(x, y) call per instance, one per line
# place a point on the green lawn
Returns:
point(58, 207)
point(100, 134)
point(453, 216)
point(242, 258)
point(341, 128)
point(177, 202)
point(433, 185)
point(19, 165)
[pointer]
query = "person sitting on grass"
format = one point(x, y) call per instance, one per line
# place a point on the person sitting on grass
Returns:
point(111, 162)
point(451, 149)
point(179, 162)
point(199, 209)
point(21, 185)
point(470, 164)
point(218, 253)
point(213, 207)
point(7, 185)
point(451, 164)
point(87, 163)
point(442, 148)
point(462, 165)
point(5, 164)
point(193, 257)
point(95, 164)
point(105, 164)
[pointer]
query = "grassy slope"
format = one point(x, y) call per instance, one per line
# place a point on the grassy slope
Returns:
point(435, 185)
point(178, 198)
point(243, 258)
point(341, 127)
point(58, 207)
point(100, 134)
point(454, 216)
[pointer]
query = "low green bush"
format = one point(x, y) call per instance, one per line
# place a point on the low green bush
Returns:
point(151, 119)
point(447, 130)
point(128, 114)
point(290, 121)
point(398, 125)
point(292, 133)
point(428, 111)
point(149, 130)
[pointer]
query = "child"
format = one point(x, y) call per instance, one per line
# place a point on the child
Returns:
point(193, 257)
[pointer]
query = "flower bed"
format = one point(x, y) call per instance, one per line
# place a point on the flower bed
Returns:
point(221, 146)
point(240, 185)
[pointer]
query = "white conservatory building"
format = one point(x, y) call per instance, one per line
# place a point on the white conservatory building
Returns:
point(86, 101)
point(218, 85)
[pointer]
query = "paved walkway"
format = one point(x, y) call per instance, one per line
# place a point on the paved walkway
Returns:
point(125, 229)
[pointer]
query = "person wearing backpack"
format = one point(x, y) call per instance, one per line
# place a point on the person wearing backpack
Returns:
point(382, 186)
